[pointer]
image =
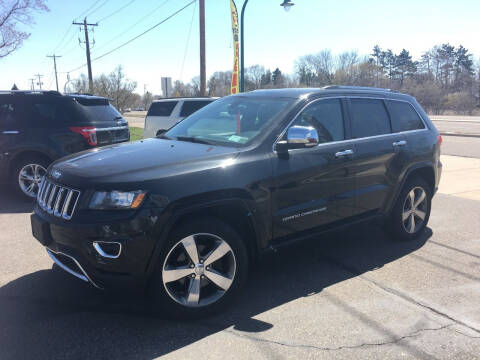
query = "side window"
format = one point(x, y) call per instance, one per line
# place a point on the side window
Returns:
point(7, 114)
point(370, 118)
point(326, 117)
point(162, 108)
point(404, 117)
point(189, 107)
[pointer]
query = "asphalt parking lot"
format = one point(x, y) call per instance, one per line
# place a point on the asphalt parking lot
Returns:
point(352, 294)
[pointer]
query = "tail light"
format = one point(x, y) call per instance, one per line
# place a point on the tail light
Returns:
point(88, 132)
point(439, 139)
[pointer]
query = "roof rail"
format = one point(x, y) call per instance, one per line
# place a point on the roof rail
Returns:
point(345, 87)
point(23, 92)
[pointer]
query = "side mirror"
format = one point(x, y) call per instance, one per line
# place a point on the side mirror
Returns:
point(298, 137)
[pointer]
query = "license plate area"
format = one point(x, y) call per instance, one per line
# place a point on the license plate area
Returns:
point(41, 230)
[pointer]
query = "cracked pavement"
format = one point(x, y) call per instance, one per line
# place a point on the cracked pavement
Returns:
point(352, 294)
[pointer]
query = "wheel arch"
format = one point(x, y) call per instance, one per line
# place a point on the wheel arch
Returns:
point(425, 170)
point(25, 154)
point(233, 211)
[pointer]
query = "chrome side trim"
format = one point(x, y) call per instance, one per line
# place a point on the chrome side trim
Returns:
point(10, 132)
point(84, 276)
point(97, 246)
point(346, 141)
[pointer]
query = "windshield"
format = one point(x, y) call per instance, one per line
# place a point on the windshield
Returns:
point(231, 121)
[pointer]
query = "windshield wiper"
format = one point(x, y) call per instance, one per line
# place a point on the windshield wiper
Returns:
point(193, 140)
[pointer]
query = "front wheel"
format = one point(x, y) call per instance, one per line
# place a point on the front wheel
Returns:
point(201, 269)
point(411, 212)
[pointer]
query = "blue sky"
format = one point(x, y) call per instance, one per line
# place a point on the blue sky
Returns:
point(273, 37)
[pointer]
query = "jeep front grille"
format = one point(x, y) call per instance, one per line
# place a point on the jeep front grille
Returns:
point(57, 200)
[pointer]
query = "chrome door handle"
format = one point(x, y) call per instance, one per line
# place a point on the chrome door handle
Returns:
point(400, 143)
point(343, 153)
point(10, 132)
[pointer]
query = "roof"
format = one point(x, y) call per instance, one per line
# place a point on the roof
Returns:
point(186, 98)
point(49, 92)
point(336, 89)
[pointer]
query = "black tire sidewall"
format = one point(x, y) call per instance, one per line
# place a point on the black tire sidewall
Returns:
point(16, 171)
point(160, 301)
point(395, 221)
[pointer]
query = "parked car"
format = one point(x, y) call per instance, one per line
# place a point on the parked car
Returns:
point(165, 113)
point(38, 127)
point(188, 212)
point(139, 108)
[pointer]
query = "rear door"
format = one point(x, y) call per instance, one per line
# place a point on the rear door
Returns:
point(379, 154)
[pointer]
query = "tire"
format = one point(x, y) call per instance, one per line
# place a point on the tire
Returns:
point(176, 298)
point(28, 171)
point(400, 222)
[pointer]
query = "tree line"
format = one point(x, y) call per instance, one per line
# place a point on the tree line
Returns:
point(444, 78)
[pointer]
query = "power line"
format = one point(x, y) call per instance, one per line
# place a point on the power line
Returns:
point(97, 8)
point(88, 9)
point(188, 41)
point(117, 11)
point(132, 26)
point(63, 38)
point(139, 35)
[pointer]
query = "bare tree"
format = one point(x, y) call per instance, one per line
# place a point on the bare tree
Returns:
point(13, 12)
point(254, 74)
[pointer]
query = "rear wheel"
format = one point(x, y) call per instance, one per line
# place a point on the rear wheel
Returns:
point(27, 176)
point(411, 212)
point(201, 269)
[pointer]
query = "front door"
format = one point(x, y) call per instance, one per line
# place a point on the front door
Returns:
point(313, 186)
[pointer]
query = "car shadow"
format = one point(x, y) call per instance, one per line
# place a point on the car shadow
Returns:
point(11, 202)
point(50, 314)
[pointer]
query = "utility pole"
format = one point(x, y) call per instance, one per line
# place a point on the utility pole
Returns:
point(39, 83)
point(32, 85)
point(203, 74)
point(87, 47)
point(55, 66)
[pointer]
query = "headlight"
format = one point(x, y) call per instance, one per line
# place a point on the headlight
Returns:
point(102, 200)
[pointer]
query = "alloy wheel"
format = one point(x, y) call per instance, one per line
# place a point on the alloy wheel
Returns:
point(30, 178)
point(198, 270)
point(414, 210)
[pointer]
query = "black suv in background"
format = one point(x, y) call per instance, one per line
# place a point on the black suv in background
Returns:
point(38, 127)
point(187, 212)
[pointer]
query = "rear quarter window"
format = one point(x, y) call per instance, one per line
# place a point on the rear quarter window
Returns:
point(404, 117)
point(163, 108)
point(369, 118)
point(189, 107)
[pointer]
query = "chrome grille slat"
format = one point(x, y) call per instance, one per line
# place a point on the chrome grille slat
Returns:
point(58, 200)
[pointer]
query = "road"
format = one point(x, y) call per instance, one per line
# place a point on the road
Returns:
point(353, 294)
point(468, 125)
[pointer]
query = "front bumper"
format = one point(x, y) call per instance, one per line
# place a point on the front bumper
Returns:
point(74, 247)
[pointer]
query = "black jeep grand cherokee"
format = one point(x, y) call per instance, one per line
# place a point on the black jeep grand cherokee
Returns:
point(186, 213)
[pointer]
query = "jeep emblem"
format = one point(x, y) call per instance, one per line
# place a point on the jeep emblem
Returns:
point(56, 174)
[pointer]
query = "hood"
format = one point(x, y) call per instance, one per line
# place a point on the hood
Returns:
point(139, 161)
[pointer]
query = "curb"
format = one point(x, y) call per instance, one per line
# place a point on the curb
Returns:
point(452, 133)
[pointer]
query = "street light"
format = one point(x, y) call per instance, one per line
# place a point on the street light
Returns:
point(286, 5)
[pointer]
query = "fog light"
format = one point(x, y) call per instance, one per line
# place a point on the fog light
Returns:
point(108, 249)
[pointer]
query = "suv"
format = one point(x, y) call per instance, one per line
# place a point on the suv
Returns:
point(165, 113)
point(187, 212)
point(37, 127)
